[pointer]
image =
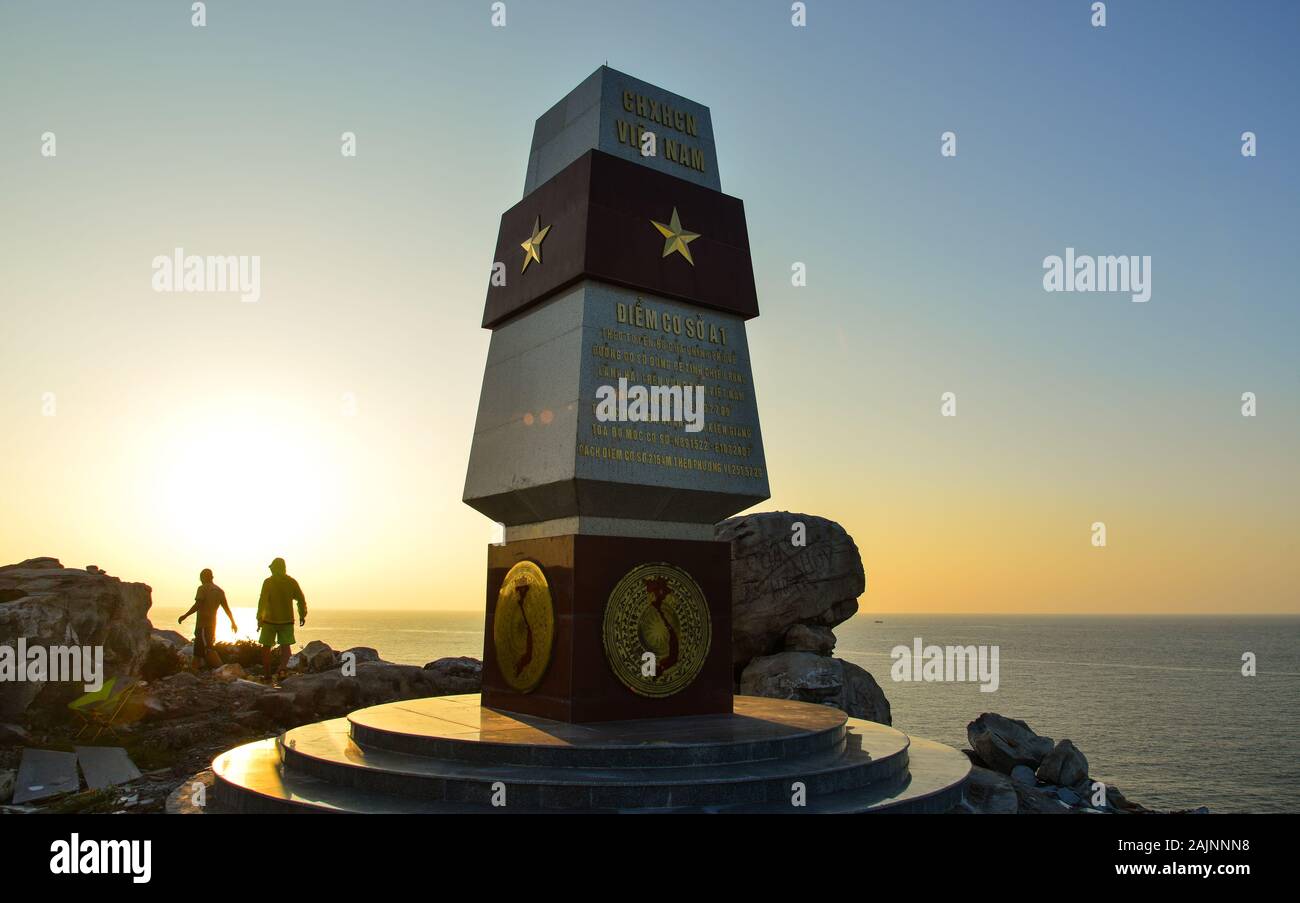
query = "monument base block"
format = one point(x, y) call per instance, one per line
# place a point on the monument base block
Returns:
point(655, 628)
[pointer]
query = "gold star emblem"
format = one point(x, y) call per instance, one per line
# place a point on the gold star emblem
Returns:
point(533, 246)
point(676, 238)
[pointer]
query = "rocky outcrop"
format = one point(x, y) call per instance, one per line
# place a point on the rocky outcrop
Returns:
point(793, 578)
point(1018, 771)
point(817, 678)
point(50, 605)
point(787, 570)
point(328, 694)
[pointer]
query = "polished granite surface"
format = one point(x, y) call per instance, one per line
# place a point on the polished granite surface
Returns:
point(854, 766)
point(329, 743)
point(462, 718)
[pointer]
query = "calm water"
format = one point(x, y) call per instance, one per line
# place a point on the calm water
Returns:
point(1158, 705)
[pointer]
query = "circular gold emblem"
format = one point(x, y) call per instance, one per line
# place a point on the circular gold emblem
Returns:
point(523, 627)
point(657, 629)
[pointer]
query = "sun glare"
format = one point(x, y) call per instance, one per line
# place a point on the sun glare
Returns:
point(244, 483)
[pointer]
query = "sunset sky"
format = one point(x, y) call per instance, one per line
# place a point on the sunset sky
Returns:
point(330, 421)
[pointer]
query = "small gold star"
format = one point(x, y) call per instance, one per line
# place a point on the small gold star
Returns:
point(533, 246)
point(676, 238)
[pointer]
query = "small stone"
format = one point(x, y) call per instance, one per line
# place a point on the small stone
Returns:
point(1023, 774)
point(7, 781)
point(1066, 795)
point(229, 672)
point(14, 735)
point(244, 685)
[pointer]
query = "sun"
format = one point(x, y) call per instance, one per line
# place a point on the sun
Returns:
point(239, 481)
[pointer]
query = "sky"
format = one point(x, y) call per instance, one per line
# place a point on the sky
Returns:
point(329, 422)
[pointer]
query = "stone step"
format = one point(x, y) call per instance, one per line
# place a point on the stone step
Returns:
point(933, 783)
point(458, 728)
point(871, 752)
point(255, 782)
point(863, 767)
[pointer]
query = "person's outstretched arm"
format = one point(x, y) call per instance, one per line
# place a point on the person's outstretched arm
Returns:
point(193, 609)
point(226, 607)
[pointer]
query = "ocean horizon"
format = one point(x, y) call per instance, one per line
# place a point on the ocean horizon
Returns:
point(1157, 703)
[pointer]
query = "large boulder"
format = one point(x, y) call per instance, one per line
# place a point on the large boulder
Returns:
point(1003, 743)
point(361, 654)
point(810, 638)
point(777, 584)
point(316, 657)
point(51, 605)
point(163, 657)
point(170, 637)
point(816, 678)
point(460, 674)
point(990, 793)
point(1065, 765)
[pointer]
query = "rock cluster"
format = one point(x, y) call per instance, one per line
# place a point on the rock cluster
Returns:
point(50, 605)
point(1018, 771)
point(793, 578)
point(336, 691)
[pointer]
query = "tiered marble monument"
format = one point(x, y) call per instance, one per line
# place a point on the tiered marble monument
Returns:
point(625, 267)
point(607, 681)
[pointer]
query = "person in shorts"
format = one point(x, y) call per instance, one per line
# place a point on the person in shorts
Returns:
point(275, 618)
point(207, 600)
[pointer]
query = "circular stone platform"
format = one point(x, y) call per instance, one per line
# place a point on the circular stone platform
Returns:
point(457, 727)
point(449, 754)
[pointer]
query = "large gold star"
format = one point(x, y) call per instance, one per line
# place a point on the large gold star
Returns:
point(676, 238)
point(533, 246)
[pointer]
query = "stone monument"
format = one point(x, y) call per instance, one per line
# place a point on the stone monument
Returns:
point(616, 427)
point(617, 421)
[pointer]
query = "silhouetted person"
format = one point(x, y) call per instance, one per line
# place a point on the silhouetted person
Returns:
point(207, 600)
point(275, 616)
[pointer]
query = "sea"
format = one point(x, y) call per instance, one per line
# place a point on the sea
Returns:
point(1159, 705)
